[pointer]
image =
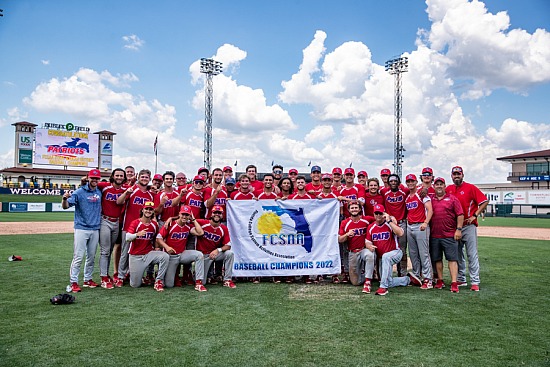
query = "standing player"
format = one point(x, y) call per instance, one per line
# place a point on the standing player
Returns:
point(384, 175)
point(314, 187)
point(473, 202)
point(352, 233)
point(362, 177)
point(427, 178)
point(181, 182)
point(419, 214)
point(110, 222)
point(227, 172)
point(216, 194)
point(372, 196)
point(134, 198)
point(251, 172)
point(394, 201)
point(446, 227)
point(87, 221)
point(157, 183)
point(244, 191)
point(336, 179)
point(286, 188)
point(141, 235)
point(173, 239)
point(350, 192)
point(292, 174)
point(326, 192)
point(382, 238)
point(277, 171)
point(230, 186)
point(165, 208)
point(215, 244)
point(301, 193)
point(268, 191)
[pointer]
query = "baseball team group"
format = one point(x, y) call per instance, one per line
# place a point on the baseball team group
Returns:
point(153, 231)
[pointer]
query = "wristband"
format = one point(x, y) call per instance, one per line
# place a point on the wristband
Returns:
point(459, 228)
point(220, 250)
point(64, 198)
point(475, 215)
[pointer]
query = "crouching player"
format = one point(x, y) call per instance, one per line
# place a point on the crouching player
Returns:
point(173, 239)
point(141, 235)
point(215, 245)
point(382, 238)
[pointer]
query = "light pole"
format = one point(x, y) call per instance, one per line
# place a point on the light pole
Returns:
point(209, 67)
point(396, 67)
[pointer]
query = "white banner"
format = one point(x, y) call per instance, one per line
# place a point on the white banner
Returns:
point(36, 207)
point(58, 207)
point(66, 148)
point(539, 197)
point(284, 238)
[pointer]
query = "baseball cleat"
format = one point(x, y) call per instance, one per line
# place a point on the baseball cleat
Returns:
point(199, 286)
point(106, 283)
point(89, 284)
point(414, 280)
point(427, 284)
point(454, 287)
point(75, 288)
point(159, 286)
point(229, 284)
point(381, 291)
point(366, 287)
point(475, 288)
point(439, 284)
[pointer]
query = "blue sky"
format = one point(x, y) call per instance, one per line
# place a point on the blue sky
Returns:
point(304, 81)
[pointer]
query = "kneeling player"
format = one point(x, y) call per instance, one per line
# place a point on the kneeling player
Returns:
point(173, 239)
point(141, 235)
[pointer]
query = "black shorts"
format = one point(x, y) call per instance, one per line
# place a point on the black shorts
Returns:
point(438, 246)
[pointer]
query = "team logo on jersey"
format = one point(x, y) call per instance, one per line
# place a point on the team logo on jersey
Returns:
point(179, 235)
point(146, 236)
point(220, 201)
point(111, 197)
point(212, 237)
point(140, 201)
point(396, 199)
point(412, 205)
point(381, 236)
point(195, 203)
point(359, 231)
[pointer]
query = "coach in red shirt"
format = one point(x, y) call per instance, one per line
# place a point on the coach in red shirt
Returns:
point(473, 202)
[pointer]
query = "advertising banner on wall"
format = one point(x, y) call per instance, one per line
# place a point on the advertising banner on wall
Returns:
point(25, 141)
point(66, 148)
point(25, 156)
point(514, 197)
point(539, 197)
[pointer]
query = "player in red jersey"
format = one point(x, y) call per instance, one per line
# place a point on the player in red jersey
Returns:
point(251, 172)
point(292, 174)
point(426, 184)
point(130, 175)
point(165, 206)
point(244, 191)
point(227, 172)
point(419, 214)
point(286, 188)
point(181, 182)
point(350, 192)
point(362, 177)
point(268, 191)
point(216, 194)
point(277, 171)
point(394, 202)
point(384, 175)
point(473, 202)
point(141, 235)
point(314, 187)
point(326, 191)
point(372, 196)
point(110, 222)
point(230, 186)
point(156, 185)
point(336, 179)
point(134, 197)
point(382, 238)
point(446, 231)
point(352, 233)
point(173, 239)
point(215, 244)
point(300, 193)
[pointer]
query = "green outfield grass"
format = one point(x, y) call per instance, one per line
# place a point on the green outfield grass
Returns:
point(37, 217)
point(6, 198)
point(514, 222)
point(506, 324)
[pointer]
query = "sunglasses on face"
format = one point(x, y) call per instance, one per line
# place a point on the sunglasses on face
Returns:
point(378, 213)
point(217, 212)
point(278, 171)
point(199, 182)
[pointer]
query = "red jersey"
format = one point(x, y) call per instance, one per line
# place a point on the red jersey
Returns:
point(330, 195)
point(371, 201)
point(109, 195)
point(168, 211)
point(213, 238)
point(394, 202)
point(355, 192)
point(357, 242)
point(195, 201)
point(297, 196)
point(470, 198)
point(134, 204)
point(315, 188)
point(262, 195)
point(239, 195)
point(416, 211)
point(142, 245)
point(254, 185)
point(382, 237)
point(176, 236)
point(221, 200)
point(445, 212)
point(431, 190)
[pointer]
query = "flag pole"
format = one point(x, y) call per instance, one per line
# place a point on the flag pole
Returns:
point(156, 153)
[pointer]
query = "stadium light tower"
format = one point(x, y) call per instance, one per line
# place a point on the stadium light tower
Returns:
point(209, 67)
point(395, 67)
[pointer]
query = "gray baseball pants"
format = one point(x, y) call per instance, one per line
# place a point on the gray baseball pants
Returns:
point(108, 233)
point(85, 243)
point(419, 250)
point(138, 264)
point(228, 259)
point(186, 257)
point(468, 242)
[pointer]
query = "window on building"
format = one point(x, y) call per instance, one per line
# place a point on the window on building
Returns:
point(535, 169)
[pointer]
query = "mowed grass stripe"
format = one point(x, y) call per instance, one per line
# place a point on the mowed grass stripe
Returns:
point(274, 324)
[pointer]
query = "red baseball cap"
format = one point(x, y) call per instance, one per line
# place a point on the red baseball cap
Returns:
point(292, 170)
point(411, 177)
point(228, 168)
point(337, 170)
point(427, 170)
point(349, 170)
point(203, 169)
point(379, 209)
point(326, 176)
point(185, 209)
point(94, 173)
point(362, 173)
point(217, 208)
point(385, 172)
point(439, 179)
point(457, 169)
point(198, 178)
point(158, 176)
